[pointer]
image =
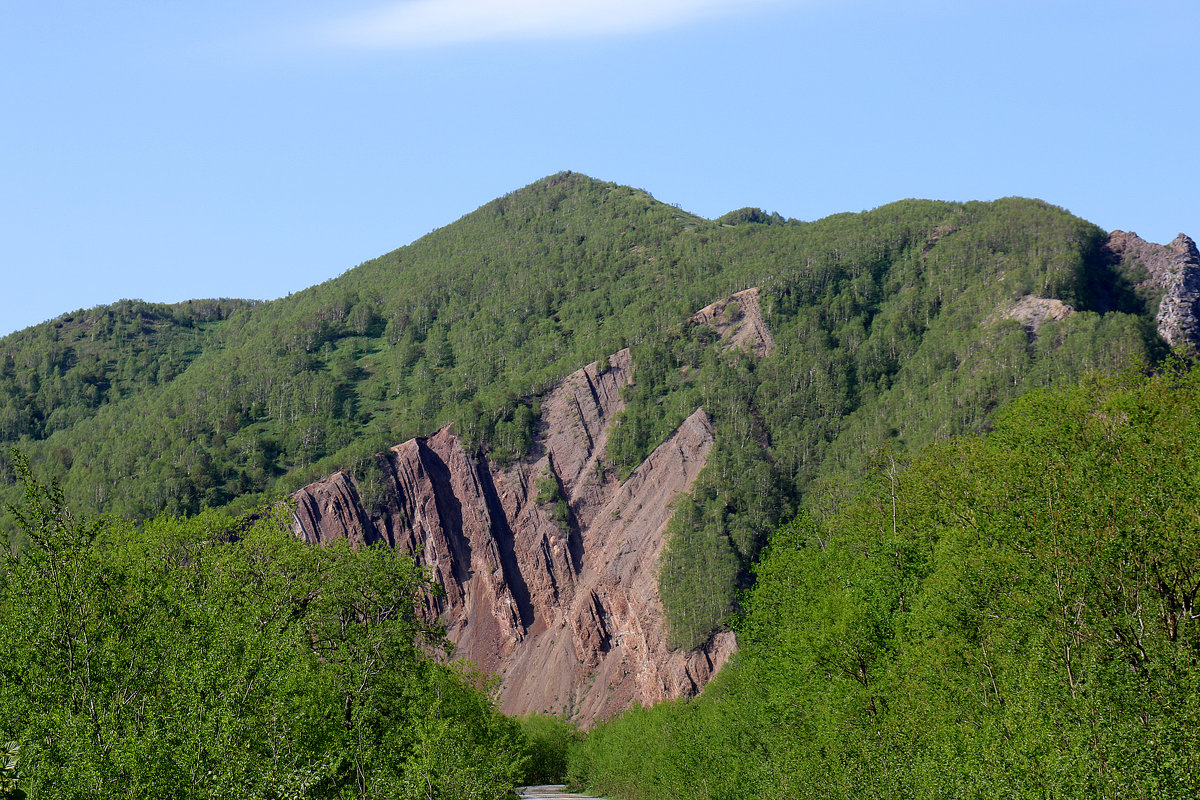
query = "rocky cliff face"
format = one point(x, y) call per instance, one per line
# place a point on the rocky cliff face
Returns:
point(738, 320)
point(549, 566)
point(1032, 312)
point(1172, 271)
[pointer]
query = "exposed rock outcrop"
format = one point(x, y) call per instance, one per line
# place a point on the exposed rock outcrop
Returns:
point(1033, 312)
point(738, 319)
point(566, 612)
point(1172, 271)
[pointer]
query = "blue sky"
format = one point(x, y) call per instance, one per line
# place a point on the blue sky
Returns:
point(253, 148)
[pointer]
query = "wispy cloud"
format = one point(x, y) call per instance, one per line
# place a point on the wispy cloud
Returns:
point(428, 23)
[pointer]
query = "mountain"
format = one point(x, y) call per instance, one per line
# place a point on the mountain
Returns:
point(457, 327)
point(559, 502)
point(550, 581)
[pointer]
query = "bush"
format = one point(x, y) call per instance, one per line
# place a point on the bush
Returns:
point(547, 740)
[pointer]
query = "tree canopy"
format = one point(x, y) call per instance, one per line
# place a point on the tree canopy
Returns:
point(218, 656)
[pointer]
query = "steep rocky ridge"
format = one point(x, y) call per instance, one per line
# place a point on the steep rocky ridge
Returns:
point(563, 607)
point(1170, 271)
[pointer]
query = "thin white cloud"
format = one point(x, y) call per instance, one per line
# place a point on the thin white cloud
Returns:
point(428, 23)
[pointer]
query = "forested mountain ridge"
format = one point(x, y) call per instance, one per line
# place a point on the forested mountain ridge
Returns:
point(892, 328)
point(55, 374)
point(382, 353)
point(544, 566)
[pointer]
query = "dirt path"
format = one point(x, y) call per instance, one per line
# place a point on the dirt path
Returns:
point(553, 792)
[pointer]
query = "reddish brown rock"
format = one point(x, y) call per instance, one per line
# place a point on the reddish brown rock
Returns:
point(565, 612)
point(330, 509)
point(738, 319)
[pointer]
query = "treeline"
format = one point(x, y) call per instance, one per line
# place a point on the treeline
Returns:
point(218, 657)
point(1010, 615)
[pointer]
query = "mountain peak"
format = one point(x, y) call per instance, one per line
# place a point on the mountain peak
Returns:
point(1184, 246)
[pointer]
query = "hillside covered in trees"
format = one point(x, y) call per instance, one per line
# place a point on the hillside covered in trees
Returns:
point(893, 328)
point(890, 332)
point(216, 657)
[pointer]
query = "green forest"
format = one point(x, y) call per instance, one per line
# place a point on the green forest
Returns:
point(218, 656)
point(876, 534)
point(1008, 615)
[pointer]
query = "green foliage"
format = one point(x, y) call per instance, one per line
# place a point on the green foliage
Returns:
point(548, 488)
point(668, 751)
point(547, 740)
point(891, 335)
point(370, 473)
point(56, 374)
point(662, 396)
point(549, 492)
point(1008, 616)
point(749, 215)
point(221, 657)
point(10, 773)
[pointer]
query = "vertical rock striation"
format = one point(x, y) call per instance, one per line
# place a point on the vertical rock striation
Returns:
point(566, 613)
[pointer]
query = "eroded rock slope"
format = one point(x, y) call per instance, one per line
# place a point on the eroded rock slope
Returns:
point(550, 565)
